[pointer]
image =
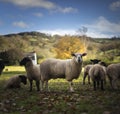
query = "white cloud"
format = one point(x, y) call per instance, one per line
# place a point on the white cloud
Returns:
point(46, 4)
point(59, 32)
point(65, 10)
point(21, 24)
point(96, 34)
point(115, 5)
point(38, 14)
point(103, 27)
point(62, 32)
point(33, 3)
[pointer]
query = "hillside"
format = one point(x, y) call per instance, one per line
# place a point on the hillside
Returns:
point(47, 46)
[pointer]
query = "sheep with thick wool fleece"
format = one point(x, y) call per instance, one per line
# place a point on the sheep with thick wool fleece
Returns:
point(113, 72)
point(33, 71)
point(87, 68)
point(15, 81)
point(98, 75)
point(56, 68)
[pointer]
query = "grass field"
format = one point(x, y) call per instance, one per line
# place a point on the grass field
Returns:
point(59, 100)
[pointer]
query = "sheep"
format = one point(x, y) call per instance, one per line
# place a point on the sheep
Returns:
point(15, 81)
point(98, 75)
point(33, 72)
point(113, 72)
point(87, 68)
point(56, 68)
point(2, 66)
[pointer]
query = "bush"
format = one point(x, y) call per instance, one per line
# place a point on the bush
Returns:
point(12, 55)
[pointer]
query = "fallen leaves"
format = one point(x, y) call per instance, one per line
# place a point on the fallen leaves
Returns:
point(59, 101)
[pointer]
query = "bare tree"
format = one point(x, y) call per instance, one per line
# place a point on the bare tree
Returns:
point(82, 32)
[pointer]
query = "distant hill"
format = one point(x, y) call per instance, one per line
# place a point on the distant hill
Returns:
point(43, 44)
point(33, 33)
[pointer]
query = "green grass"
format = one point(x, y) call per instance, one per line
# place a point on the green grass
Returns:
point(59, 100)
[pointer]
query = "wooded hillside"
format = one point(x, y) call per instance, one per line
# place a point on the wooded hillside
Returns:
point(13, 47)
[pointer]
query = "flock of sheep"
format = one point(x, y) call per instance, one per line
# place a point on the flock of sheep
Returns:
point(68, 69)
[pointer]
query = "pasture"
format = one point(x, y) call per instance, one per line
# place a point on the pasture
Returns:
point(58, 100)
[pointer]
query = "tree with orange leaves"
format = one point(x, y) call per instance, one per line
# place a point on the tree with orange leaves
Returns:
point(67, 45)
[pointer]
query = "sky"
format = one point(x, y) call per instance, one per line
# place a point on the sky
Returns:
point(94, 18)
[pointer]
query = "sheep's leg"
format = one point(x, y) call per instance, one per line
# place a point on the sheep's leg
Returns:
point(46, 86)
point(88, 79)
point(94, 84)
point(111, 83)
point(98, 83)
point(84, 77)
point(71, 86)
point(42, 85)
point(38, 85)
point(105, 80)
point(31, 82)
point(114, 84)
point(102, 88)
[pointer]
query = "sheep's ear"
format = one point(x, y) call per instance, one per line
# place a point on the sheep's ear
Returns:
point(95, 61)
point(84, 54)
point(72, 54)
point(20, 76)
point(91, 60)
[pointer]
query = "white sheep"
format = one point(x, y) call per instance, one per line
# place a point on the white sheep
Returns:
point(15, 81)
point(98, 75)
point(113, 72)
point(87, 68)
point(56, 68)
point(33, 71)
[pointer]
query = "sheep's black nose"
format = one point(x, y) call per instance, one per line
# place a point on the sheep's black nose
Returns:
point(79, 60)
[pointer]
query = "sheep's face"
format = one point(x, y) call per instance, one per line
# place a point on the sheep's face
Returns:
point(95, 61)
point(25, 60)
point(23, 79)
point(78, 57)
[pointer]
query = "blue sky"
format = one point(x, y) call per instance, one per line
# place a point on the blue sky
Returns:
point(100, 17)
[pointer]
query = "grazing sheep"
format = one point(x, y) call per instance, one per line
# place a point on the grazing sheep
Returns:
point(98, 76)
point(55, 68)
point(87, 68)
point(15, 81)
point(113, 72)
point(33, 71)
point(2, 66)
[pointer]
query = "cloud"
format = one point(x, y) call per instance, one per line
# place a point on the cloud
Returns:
point(62, 32)
point(65, 10)
point(20, 24)
point(59, 32)
point(115, 6)
point(46, 4)
point(104, 27)
point(33, 3)
point(97, 34)
point(100, 28)
point(38, 14)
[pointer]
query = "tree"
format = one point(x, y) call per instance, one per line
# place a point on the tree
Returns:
point(82, 32)
point(12, 55)
point(67, 45)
